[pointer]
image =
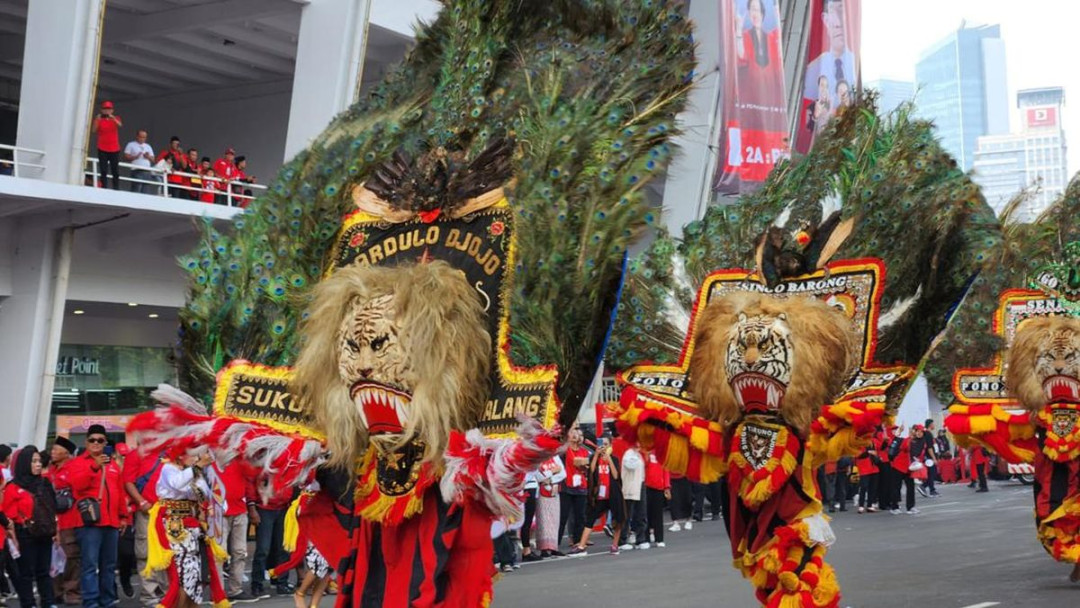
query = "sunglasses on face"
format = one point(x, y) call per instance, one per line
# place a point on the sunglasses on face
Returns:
point(96, 440)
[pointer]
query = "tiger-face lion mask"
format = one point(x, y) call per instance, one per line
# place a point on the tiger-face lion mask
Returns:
point(754, 353)
point(1044, 362)
point(393, 355)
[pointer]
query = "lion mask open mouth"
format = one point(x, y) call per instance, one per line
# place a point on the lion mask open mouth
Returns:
point(383, 410)
point(1061, 389)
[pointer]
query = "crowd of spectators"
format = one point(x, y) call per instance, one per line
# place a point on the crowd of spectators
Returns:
point(77, 526)
point(175, 172)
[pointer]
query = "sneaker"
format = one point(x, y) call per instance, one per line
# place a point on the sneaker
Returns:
point(608, 531)
point(627, 547)
point(871, 509)
point(922, 491)
point(576, 551)
point(643, 546)
point(259, 592)
point(507, 568)
point(243, 598)
point(862, 510)
point(128, 590)
point(895, 511)
point(661, 545)
point(912, 511)
point(614, 550)
point(516, 566)
point(285, 589)
point(675, 527)
point(688, 525)
point(982, 490)
point(532, 557)
point(632, 539)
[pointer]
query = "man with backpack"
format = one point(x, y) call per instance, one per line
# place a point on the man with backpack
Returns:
point(141, 472)
point(97, 487)
point(66, 586)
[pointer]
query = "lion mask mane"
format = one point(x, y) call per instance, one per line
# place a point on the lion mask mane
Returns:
point(417, 329)
point(1044, 362)
point(802, 350)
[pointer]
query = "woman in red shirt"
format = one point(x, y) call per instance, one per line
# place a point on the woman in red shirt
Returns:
point(867, 465)
point(657, 492)
point(35, 527)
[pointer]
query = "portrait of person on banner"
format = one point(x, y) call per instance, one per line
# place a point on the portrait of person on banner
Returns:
point(761, 68)
point(832, 73)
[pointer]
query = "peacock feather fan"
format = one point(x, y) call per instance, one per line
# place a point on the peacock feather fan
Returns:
point(912, 207)
point(969, 341)
point(586, 90)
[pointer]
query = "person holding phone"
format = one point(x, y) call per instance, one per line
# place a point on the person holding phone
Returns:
point(605, 494)
point(98, 493)
point(575, 489)
point(106, 126)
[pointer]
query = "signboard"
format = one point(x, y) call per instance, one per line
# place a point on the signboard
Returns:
point(753, 106)
point(77, 366)
point(854, 286)
point(833, 67)
point(1041, 117)
point(66, 426)
point(973, 386)
point(259, 393)
point(481, 245)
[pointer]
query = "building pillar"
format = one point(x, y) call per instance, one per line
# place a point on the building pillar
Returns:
point(329, 63)
point(686, 191)
point(27, 321)
point(58, 79)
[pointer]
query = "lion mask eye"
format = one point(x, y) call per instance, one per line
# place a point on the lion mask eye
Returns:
point(379, 343)
point(353, 345)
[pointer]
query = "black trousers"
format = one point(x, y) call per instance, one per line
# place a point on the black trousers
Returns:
point(635, 510)
point(981, 470)
point(908, 483)
point(697, 492)
point(682, 499)
point(109, 164)
point(34, 561)
point(504, 549)
point(840, 493)
point(526, 525)
point(572, 512)
point(125, 554)
point(868, 489)
point(654, 509)
point(713, 493)
point(885, 487)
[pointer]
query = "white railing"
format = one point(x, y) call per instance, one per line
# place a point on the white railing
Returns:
point(230, 192)
point(609, 390)
point(18, 160)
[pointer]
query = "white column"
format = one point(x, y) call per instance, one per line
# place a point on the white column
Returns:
point(57, 91)
point(329, 63)
point(686, 191)
point(27, 318)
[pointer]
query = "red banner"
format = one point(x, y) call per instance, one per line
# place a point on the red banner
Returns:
point(1041, 117)
point(833, 68)
point(753, 109)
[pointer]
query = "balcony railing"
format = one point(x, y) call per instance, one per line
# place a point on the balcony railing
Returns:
point(229, 192)
point(23, 161)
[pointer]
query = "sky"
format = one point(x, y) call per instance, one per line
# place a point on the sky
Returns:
point(1042, 44)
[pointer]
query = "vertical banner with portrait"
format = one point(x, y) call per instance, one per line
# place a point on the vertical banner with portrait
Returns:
point(753, 111)
point(833, 66)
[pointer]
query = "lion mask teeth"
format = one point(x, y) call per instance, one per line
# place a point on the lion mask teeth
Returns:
point(383, 410)
point(1062, 389)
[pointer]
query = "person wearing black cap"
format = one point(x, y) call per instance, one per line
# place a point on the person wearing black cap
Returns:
point(179, 165)
point(96, 484)
point(66, 586)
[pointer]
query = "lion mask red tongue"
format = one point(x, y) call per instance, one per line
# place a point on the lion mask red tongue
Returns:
point(1062, 389)
point(758, 392)
point(383, 410)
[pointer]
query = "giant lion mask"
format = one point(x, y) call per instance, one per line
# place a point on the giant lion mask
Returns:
point(1044, 362)
point(754, 353)
point(393, 355)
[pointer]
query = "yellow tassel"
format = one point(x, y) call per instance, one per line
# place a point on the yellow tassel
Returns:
point(292, 526)
point(678, 455)
point(158, 553)
point(790, 600)
point(219, 552)
point(699, 438)
point(223, 604)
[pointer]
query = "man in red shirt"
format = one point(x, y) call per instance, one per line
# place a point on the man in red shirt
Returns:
point(66, 586)
point(95, 476)
point(657, 493)
point(225, 167)
point(269, 520)
point(237, 490)
point(179, 165)
point(107, 126)
point(575, 490)
point(141, 472)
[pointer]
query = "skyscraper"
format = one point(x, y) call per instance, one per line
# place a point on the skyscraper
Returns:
point(891, 93)
point(1005, 164)
point(961, 87)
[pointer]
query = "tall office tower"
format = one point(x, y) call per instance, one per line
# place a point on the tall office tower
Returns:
point(891, 93)
point(961, 87)
point(1036, 156)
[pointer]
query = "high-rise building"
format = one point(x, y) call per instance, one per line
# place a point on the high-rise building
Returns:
point(1036, 156)
point(891, 93)
point(961, 87)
